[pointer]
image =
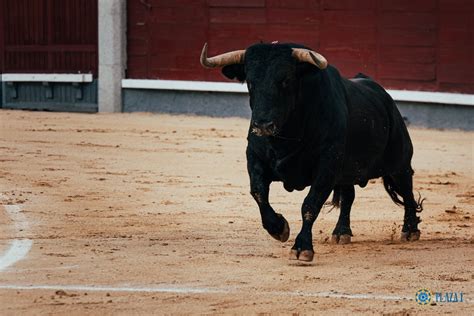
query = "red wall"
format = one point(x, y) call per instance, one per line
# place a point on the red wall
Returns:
point(405, 44)
point(48, 36)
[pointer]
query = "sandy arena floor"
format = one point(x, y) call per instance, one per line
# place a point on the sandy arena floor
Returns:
point(141, 213)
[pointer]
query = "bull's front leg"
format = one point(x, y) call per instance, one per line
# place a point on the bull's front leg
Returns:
point(303, 247)
point(318, 194)
point(274, 223)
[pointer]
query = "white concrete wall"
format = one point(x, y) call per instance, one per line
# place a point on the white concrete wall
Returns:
point(112, 54)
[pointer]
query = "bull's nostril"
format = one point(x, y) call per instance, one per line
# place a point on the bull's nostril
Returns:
point(264, 127)
point(270, 126)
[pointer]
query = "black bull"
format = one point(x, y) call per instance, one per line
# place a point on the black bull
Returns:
point(312, 127)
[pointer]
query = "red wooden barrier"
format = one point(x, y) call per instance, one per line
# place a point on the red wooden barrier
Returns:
point(406, 44)
point(48, 36)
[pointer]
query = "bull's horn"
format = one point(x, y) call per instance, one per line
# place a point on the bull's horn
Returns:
point(309, 56)
point(234, 57)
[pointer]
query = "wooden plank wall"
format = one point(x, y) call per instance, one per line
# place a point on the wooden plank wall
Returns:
point(405, 44)
point(48, 36)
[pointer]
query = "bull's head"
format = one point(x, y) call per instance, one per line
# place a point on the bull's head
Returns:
point(272, 75)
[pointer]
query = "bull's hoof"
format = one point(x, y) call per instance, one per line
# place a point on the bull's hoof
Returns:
point(344, 239)
point(410, 236)
point(285, 234)
point(415, 236)
point(341, 239)
point(305, 255)
point(294, 254)
point(404, 236)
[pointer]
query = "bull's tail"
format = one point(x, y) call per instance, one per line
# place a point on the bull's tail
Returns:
point(336, 197)
point(335, 201)
point(391, 188)
point(394, 192)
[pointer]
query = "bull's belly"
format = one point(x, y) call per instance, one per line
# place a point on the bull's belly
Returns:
point(357, 179)
point(299, 179)
point(360, 172)
point(299, 174)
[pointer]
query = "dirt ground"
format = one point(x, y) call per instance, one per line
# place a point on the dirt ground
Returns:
point(142, 213)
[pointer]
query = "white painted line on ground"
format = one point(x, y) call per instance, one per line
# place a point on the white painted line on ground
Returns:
point(47, 268)
point(204, 290)
point(18, 248)
point(199, 290)
point(345, 295)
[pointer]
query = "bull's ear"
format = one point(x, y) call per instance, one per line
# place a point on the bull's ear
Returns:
point(234, 72)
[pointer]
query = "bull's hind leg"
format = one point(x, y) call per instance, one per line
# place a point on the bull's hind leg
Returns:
point(342, 232)
point(402, 184)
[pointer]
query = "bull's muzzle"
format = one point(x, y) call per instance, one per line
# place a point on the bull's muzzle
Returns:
point(264, 128)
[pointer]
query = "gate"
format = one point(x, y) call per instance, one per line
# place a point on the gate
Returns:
point(49, 36)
